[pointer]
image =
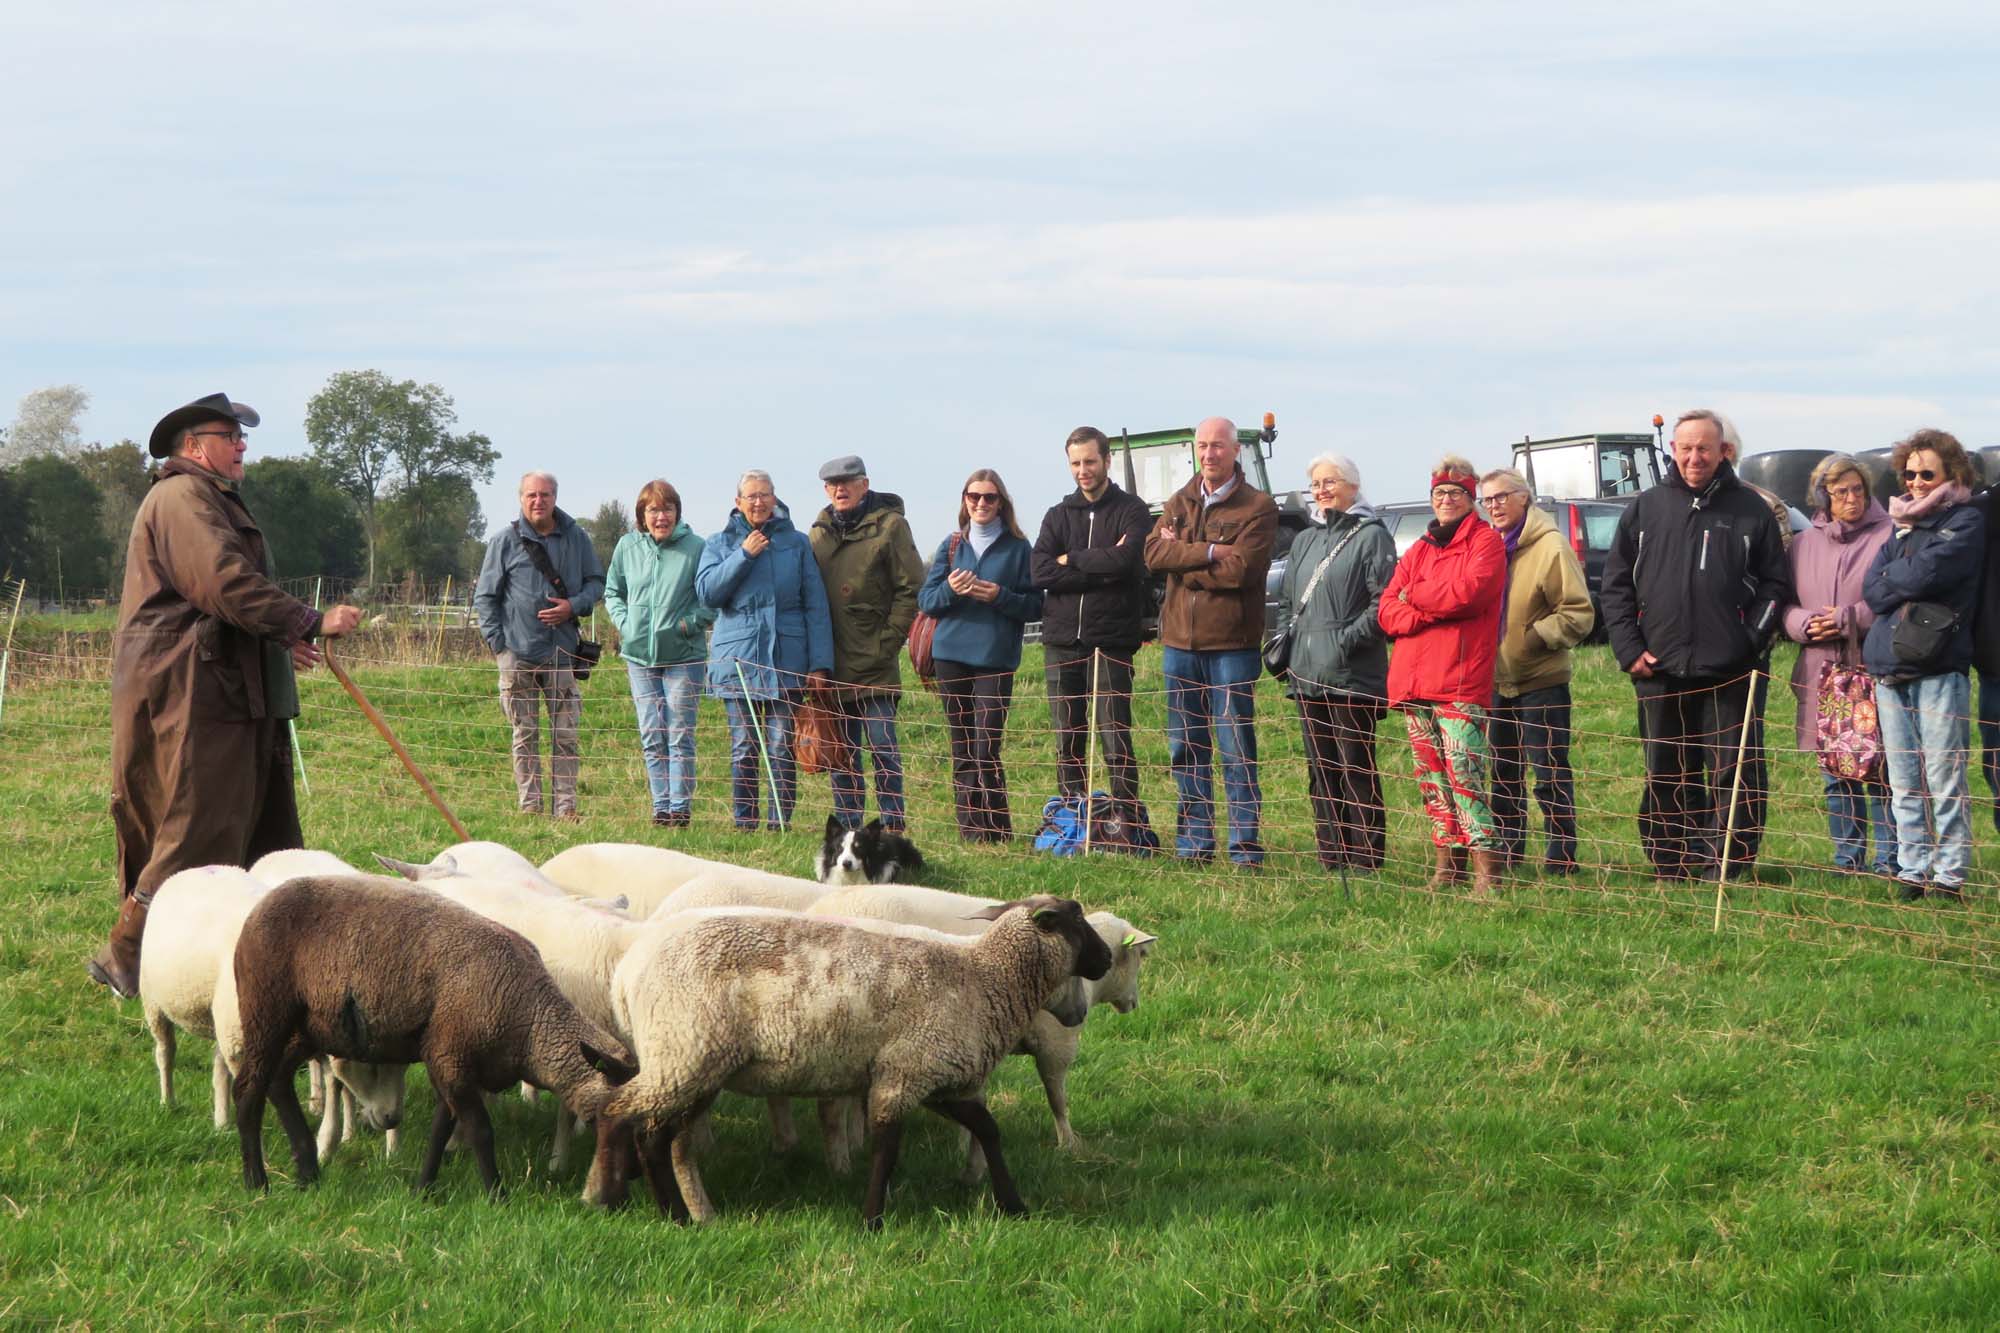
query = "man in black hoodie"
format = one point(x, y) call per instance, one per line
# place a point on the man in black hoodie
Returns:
point(1090, 559)
point(1986, 645)
point(1692, 587)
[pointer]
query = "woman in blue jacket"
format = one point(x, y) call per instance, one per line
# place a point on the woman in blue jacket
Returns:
point(981, 591)
point(773, 637)
point(1922, 588)
point(662, 635)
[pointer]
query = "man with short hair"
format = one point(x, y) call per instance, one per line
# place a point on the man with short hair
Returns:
point(539, 579)
point(201, 677)
point(1700, 556)
point(872, 572)
point(1090, 560)
point(1213, 542)
point(1545, 612)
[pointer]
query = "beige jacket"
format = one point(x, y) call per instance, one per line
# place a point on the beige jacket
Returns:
point(1548, 610)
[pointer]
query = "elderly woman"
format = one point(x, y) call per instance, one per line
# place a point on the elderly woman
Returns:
point(981, 591)
point(1442, 610)
point(772, 636)
point(1829, 618)
point(1922, 587)
point(1340, 662)
point(663, 637)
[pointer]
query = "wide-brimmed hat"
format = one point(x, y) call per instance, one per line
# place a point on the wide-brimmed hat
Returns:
point(215, 407)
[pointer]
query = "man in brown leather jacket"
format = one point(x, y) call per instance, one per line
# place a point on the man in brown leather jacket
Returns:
point(1213, 542)
point(201, 677)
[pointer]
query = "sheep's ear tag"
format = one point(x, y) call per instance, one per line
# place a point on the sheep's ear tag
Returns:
point(1131, 938)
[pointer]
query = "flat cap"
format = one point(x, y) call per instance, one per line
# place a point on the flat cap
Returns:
point(844, 468)
point(215, 407)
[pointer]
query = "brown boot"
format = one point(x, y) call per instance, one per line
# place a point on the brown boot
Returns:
point(117, 963)
point(1449, 868)
point(1485, 870)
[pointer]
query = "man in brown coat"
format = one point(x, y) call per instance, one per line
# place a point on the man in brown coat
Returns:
point(201, 677)
point(1213, 542)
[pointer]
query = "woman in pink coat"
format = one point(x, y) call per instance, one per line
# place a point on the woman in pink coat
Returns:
point(1829, 564)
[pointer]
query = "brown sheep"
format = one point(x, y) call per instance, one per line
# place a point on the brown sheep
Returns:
point(370, 969)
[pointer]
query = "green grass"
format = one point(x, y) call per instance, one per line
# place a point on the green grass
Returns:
point(1580, 1107)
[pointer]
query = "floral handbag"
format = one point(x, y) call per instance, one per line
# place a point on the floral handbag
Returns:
point(1850, 739)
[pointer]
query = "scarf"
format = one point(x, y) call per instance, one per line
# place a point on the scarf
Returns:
point(1841, 531)
point(1905, 512)
point(1512, 537)
point(845, 522)
point(979, 536)
point(1442, 533)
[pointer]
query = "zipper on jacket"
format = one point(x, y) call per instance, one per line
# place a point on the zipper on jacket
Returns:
point(1638, 559)
point(1705, 534)
point(1089, 536)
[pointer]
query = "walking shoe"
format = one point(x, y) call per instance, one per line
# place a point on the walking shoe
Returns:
point(1909, 890)
point(1955, 892)
point(671, 818)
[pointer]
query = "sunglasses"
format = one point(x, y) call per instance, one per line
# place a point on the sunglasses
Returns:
point(233, 436)
point(1919, 474)
point(982, 497)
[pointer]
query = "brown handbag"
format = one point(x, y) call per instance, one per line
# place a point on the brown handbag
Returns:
point(816, 739)
point(924, 629)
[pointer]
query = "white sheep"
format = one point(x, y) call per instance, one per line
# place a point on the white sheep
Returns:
point(741, 886)
point(483, 860)
point(775, 1005)
point(274, 868)
point(1052, 1044)
point(644, 875)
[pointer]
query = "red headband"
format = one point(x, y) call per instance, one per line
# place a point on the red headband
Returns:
point(1446, 479)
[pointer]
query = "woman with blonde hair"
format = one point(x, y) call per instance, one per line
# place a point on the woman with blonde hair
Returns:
point(981, 591)
point(1442, 612)
point(1923, 588)
point(1829, 618)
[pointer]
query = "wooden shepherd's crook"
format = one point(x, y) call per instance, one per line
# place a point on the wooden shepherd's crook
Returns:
point(381, 725)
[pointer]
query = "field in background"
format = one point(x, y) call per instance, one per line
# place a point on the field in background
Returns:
point(1579, 1106)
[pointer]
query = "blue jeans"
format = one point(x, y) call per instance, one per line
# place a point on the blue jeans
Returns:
point(1989, 738)
point(1211, 706)
point(746, 758)
point(1854, 810)
point(665, 698)
point(1926, 736)
point(868, 720)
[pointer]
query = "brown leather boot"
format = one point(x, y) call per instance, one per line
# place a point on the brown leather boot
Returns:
point(1485, 869)
point(117, 963)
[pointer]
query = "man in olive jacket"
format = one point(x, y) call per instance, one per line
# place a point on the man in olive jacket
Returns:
point(1547, 613)
point(1213, 542)
point(201, 677)
point(872, 572)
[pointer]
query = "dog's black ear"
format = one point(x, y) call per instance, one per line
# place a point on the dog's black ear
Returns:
point(873, 826)
point(834, 828)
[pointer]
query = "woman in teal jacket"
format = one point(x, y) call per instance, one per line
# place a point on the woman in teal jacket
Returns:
point(662, 631)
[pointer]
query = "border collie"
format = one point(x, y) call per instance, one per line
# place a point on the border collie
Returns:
point(869, 855)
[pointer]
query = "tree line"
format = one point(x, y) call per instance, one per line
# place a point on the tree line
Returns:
point(386, 491)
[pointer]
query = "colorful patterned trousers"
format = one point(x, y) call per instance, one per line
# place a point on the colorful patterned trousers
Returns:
point(1449, 744)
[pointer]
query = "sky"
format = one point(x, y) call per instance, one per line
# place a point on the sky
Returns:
point(638, 241)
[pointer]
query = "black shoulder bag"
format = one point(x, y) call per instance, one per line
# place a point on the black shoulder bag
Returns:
point(587, 650)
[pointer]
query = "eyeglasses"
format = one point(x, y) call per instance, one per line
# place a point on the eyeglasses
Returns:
point(1451, 493)
point(233, 436)
point(982, 497)
point(1501, 498)
point(1328, 484)
point(1853, 492)
point(758, 497)
point(1919, 474)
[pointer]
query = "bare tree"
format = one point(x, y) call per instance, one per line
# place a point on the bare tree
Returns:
point(47, 423)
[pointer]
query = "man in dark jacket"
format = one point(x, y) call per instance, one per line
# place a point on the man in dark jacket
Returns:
point(531, 624)
point(1213, 542)
point(1090, 560)
point(201, 677)
point(1692, 587)
point(1986, 646)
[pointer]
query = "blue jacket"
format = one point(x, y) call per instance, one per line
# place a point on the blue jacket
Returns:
point(511, 590)
point(649, 592)
point(975, 633)
point(773, 622)
point(1939, 559)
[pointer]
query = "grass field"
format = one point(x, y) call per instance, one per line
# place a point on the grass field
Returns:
point(1579, 1107)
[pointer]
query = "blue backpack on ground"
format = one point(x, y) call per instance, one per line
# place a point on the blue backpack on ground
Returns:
point(1115, 826)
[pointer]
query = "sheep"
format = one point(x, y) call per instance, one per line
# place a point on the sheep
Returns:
point(741, 886)
point(645, 875)
point(487, 860)
point(274, 868)
point(1052, 1043)
point(187, 980)
point(774, 1005)
point(361, 967)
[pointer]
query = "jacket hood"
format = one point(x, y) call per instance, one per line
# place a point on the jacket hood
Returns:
point(564, 524)
point(874, 506)
point(1360, 511)
point(1874, 517)
point(1537, 525)
point(1075, 499)
point(739, 527)
point(681, 532)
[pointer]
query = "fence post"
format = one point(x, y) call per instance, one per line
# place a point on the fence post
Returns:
point(7, 653)
point(1735, 795)
point(444, 608)
point(1090, 746)
point(757, 724)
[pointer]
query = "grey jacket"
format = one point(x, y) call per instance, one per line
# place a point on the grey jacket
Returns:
point(1338, 646)
point(511, 590)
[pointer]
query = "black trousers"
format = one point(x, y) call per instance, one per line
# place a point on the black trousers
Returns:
point(1691, 729)
point(1067, 673)
point(975, 717)
point(1532, 730)
point(1350, 825)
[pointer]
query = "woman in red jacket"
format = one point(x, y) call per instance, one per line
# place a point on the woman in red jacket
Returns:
point(1442, 610)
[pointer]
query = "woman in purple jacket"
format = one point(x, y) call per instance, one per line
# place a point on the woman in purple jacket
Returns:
point(1830, 619)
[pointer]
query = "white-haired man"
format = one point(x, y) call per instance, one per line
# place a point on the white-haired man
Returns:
point(540, 578)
